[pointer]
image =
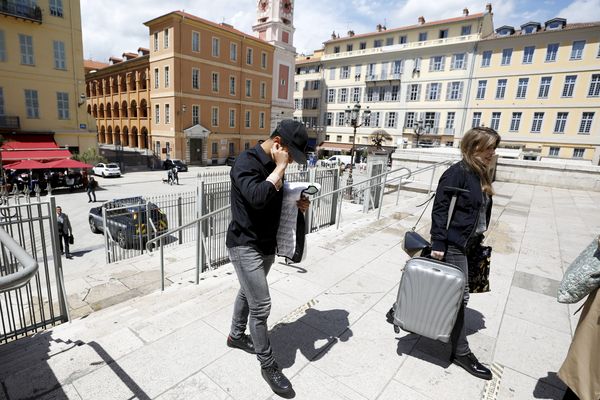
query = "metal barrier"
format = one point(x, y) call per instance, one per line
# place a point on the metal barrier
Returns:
point(130, 227)
point(32, 295)
point(211, 227)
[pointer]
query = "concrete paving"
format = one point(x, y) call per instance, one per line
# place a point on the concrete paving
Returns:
point(327, 322)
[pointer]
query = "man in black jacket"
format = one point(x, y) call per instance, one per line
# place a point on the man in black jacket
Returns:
point(256, 201)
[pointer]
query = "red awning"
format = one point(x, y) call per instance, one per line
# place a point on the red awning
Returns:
point(39, 155)
point(26, 164)
point(29, 145)
point(67, 163)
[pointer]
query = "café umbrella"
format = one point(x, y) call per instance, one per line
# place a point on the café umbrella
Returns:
point(25, 164)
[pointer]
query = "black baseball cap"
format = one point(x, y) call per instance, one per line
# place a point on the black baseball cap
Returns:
point(293, 135)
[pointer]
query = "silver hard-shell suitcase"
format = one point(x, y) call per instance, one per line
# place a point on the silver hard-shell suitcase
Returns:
point(429, 297)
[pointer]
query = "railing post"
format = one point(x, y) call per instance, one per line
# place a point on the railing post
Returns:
point(381, 194)
point(179, 219)
point(162, 266)
point(106, 243)
point(432, 178)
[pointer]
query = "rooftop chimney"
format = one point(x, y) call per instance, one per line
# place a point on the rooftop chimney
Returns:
point(350, 33)
point(465, 12)
point(421, 20)
point(378, 27)
point(142, 51)
point(114, 60)
point(333, 36)
point(488, 8)
point(129, 56)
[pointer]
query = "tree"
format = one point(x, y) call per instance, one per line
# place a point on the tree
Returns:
point(378, 137)
point(90, 156)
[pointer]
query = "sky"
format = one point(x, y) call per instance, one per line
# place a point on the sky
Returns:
point(112, 27)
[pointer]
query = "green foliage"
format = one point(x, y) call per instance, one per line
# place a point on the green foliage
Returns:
point(90, 156)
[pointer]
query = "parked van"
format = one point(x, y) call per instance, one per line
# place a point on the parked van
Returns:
point(338, 160)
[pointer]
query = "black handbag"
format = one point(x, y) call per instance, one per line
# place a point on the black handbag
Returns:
point(478, 258)
point(71, 239)
point(414, 242)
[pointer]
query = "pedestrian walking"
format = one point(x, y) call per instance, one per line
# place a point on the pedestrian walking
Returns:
point(91, 189)
point(256, 203)
point(65, 232)
point(469, 221)
point(175, 174)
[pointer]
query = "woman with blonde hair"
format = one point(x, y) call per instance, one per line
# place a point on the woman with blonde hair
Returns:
point(471, 181)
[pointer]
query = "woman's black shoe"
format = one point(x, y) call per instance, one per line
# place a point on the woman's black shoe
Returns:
point(470, 364)
point(244, 343)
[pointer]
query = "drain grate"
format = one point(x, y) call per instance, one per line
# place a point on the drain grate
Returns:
point(492, 387)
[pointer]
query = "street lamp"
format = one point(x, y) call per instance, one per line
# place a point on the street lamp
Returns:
point(418, 126)
point(352, 116)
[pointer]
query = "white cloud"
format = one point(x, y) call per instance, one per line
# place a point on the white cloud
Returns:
point(581, 11)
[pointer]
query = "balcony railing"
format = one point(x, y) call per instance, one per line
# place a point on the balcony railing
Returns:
point(9, 122)
point(31, 13)
point(382, 77)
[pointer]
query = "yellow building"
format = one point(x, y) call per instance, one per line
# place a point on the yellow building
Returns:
point(539, 86)
point(210, 88)
point(42, 84)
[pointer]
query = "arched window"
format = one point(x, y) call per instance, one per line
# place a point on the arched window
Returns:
point(108, 111)
point(133, 112)
point(101, 110)
point(95, 111)
point(144, 144)
point(124, 109)
point(109, 136)
point(116, 109)
point(125, 136)
point(143, 108)
point(123, 80)
point(89, 109)
point(102, 135)
point(133, 141)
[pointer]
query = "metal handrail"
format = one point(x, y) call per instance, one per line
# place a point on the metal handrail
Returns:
point(150, 244)
point(19, 278)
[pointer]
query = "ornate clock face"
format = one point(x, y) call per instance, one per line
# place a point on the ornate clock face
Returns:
point(286, 6)
point(263, 5)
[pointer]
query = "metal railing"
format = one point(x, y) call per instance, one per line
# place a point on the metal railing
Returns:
point(29, 12)
point(32, 294)
point(10, 122)
point(211, 227)
point(12, 277)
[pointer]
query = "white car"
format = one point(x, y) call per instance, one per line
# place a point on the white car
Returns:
point(105, 170)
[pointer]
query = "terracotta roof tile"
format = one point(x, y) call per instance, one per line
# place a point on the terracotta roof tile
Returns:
point(404, 28)
point(92, 64)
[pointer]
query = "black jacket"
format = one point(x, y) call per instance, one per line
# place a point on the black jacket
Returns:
point(255, 203)
point(466, 211)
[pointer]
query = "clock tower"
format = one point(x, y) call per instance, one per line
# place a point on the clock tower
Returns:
point(274, 24)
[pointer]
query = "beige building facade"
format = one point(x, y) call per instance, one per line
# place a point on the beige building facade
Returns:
point(42, 83)
point(210, 89)
point(430, 82)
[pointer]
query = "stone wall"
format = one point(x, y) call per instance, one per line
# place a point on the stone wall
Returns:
point(554, 174)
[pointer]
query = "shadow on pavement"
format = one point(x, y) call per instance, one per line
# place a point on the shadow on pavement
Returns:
point(435, 351)
point(549, 387)
point(313, 334)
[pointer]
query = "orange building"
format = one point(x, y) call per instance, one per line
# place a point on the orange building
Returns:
point(210, 89)
point(118, 97)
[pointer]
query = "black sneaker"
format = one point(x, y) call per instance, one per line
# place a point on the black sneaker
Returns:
point(470, 364)
point(244, 343)
point(277, 380)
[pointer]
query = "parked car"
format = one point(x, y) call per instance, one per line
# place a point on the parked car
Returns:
point(181, 166)
point(105, 170)
point(127, 221)
point(230, 160)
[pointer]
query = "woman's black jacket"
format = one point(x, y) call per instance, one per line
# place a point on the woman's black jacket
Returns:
point(466, 211)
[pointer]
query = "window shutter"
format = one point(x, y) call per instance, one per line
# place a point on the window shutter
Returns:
point(443, 63)
point(448, 90)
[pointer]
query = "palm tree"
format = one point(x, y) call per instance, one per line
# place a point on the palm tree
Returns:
point(378, 137)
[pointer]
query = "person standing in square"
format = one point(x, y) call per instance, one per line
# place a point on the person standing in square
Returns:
point(64, 231)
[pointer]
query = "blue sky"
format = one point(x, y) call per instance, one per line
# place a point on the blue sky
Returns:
point(110, 27)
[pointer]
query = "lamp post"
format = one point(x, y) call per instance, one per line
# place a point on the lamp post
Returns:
point(418, 126)
point(352, 116)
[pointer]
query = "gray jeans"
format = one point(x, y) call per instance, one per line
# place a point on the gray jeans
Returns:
point(253, 302)
point(458, 337)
